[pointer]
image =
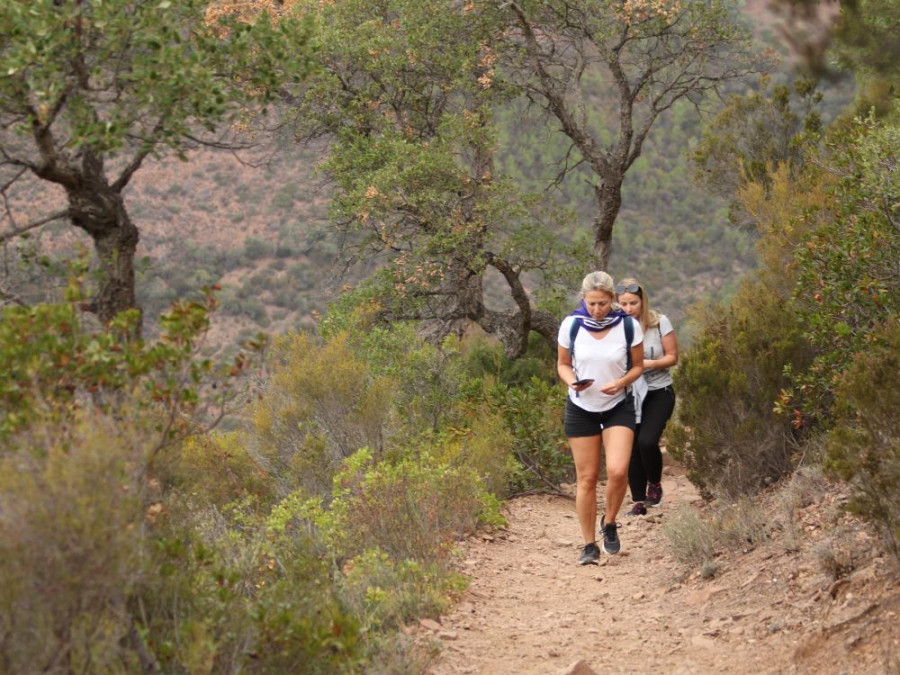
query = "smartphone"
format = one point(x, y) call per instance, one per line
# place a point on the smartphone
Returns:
point(578, 383)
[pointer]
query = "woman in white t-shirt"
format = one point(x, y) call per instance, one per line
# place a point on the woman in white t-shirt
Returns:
point(660, 354)
point(593, 360)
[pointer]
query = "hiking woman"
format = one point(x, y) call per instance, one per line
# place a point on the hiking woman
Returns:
point(599, 355)
point(660, 354)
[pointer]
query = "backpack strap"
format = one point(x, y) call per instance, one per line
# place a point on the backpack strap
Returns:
point(629, 336)
point(573, 331)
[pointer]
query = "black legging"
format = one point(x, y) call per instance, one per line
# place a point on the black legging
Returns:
point(646, 457)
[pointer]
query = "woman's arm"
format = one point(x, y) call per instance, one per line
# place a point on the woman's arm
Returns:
point(670, 351)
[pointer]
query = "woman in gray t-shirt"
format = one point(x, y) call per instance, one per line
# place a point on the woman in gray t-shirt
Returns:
point(660, 354)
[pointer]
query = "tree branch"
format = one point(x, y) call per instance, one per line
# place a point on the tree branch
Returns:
point(6, 236)
point(556, 100)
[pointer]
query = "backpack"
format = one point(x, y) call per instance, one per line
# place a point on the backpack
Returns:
point(629, 336)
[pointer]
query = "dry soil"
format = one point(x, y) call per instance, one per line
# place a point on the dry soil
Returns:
point(817, 596)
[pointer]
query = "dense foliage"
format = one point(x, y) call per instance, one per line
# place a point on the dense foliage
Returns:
point(307, 534)
point(808, 341)
point(91, 90)
point(135, 539)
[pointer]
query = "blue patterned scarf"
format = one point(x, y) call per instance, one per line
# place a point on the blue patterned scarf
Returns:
point(584, 316)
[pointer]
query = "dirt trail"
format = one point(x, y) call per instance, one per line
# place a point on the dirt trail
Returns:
point(531, 609)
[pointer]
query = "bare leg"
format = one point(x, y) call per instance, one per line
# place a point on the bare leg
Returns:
point(617, 442)
point(586, 454)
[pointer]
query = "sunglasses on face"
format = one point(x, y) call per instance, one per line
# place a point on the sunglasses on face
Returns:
point(630, 288)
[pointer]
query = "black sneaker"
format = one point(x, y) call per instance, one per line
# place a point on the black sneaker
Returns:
point(654, 494)
point(590, 554)
point(610, 537)
point(637, 510)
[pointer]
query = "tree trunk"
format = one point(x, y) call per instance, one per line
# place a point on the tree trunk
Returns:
point(609, 203)
point(100, 211)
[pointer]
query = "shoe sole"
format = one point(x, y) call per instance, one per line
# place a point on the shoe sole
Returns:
point(588, 562)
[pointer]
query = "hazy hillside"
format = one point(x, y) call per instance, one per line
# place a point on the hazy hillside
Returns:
point(262, 233)
point(259, 232)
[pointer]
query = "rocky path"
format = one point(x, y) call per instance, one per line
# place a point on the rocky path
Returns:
point(531, 609)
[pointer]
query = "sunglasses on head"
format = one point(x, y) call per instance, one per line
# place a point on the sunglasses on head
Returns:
point(629, 288)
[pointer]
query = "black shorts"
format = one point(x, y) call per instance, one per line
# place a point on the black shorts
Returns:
point(580, 422)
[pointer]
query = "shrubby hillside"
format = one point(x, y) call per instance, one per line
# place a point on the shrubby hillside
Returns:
point(322, 522)
point(260, 227)
point(262, 232)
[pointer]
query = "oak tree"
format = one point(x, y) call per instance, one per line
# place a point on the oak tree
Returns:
point(405, 94)
point(90, 90)
point(644, 55)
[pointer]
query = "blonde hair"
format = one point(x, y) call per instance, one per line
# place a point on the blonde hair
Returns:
point(649, 317)
point(598, 281)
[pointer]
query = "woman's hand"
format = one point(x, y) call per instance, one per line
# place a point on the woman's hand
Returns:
point(612, 387)
point(581, 385)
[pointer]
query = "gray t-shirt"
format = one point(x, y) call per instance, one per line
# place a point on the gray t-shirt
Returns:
point(657, 378)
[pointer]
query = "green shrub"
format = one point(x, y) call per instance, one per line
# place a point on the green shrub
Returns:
point(52, 363)
point(484, 358)
point(726, 430)
point(217, 469)
point(125, 547)
point(413, 509)
point(864, 445)
point(847, 266)
point(387, 594)
point(233, 592)
point(102, 569)
point(427, 379)
point(484, 445)
point(72, 544)
point(320, 404)
point(255, 248)
point(533, 414)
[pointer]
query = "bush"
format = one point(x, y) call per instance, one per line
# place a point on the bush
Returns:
point(255, 248)
point(484, 358)
point(533, 415)
point(319, 405)
point(216, 468)
point(427, 379)
point(739, 525)
point(484, 445)
point(388, 594)
point(413, 509)
point(234, 592)
point(864, 445)
point(103, 568)
point(726, 430)
point(695, 540)
point(52, 363)
point(126, 547)
point(72, 544)
point(691, 540)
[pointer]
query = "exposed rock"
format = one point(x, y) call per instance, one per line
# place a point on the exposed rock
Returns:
point(579, 668)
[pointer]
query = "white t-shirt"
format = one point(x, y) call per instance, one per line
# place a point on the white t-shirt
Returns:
point(602, 360)
point(657, 378)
